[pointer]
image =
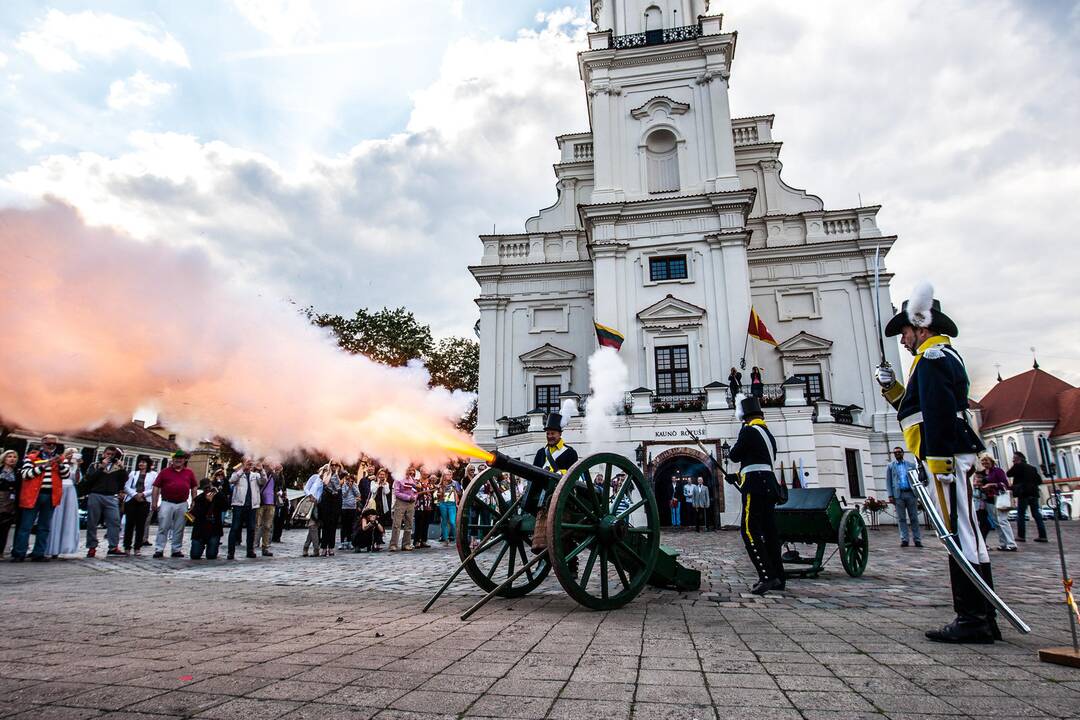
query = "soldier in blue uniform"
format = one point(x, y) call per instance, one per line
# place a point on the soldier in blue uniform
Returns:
point(557, 457)
point(755, 451)
point(932, 411)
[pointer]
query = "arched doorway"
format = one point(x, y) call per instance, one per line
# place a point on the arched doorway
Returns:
point(678, 465)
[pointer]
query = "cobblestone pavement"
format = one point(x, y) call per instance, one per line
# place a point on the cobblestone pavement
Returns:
point(343, 637)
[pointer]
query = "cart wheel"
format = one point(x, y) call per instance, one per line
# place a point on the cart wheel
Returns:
point(854, 543)
point(481, 505)
point(603, 541)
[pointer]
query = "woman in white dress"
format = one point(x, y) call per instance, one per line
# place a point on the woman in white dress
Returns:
point(64, 535)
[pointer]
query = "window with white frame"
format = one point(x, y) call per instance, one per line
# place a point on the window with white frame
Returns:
point(662, 161)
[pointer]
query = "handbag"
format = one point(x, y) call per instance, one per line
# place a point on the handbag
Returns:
point(1003, 501)
point(304, 509)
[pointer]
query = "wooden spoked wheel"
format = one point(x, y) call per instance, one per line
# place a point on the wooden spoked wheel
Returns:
point(854, 543)
point(503, 553)
point(603, 536)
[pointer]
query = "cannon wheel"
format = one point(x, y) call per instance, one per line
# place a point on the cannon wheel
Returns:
point(854, 543)
point(594, 526)
point(508, 549)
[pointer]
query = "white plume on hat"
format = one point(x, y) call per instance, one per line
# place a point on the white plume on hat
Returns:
point(568, 410)
point(918, 309)
point(738, 406)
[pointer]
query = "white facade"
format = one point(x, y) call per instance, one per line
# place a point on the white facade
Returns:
point(671, 219)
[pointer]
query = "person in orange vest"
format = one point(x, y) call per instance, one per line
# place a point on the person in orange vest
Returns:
point(43, 471)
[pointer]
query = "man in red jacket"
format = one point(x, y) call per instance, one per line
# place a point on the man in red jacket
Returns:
point(43, 471)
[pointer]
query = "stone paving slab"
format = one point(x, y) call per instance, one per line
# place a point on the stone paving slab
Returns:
point(343, 637)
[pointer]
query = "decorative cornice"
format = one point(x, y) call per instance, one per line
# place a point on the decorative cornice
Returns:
point(647, 108)
point(709, 75)
point(605, 90)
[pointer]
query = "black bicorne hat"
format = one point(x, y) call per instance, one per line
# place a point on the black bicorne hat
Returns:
point(554, 422)
point(922, 310)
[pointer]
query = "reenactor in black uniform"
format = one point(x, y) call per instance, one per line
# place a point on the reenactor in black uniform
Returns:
point(932, 411)
point(755, 451)
point(557, 457)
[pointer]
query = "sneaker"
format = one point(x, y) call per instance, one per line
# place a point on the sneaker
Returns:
point(159, 554)
point(393, 548)
point(918, 544)
point(230, 556)
point(116, 551)
point(407, 548)
point(177, 555)
point(38, 558)
point(16, 558)
point(91, 552)
point(251, 555)
point(305, 553)
point(1041, 540)
point(138, 551)
point(903, 543)
point(1010, 549)
point(267, 553)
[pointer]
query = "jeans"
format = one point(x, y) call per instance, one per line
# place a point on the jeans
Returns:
point(264, 521)
point(1022, 505)
point(42, 513)
point(448, 520)
point(170, 522)
point(676, 515)
point(1004, 529)
point(907, 514)
point(100, 506)
point(243, 517)
point(136, 513)
point(210, 546)
point(348, 524)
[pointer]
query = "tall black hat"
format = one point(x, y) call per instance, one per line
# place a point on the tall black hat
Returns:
point(554, 422)
point(922, 311)
point(746, 405)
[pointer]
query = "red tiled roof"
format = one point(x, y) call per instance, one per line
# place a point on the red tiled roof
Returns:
point(1068, 413)
point(1029, 396)
point(130, 434)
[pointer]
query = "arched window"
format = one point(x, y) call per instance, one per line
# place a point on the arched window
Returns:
point(1012, 448)
point(1064, 469)
point(662, 161)
point(654, 18)
point(994, 453)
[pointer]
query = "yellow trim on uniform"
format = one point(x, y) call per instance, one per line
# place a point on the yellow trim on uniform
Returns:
point(939, 465)
point(932, 340)
point(893, 393)
point(757, 421)
point(946, 515)
point(913, 439)
point(746, 521)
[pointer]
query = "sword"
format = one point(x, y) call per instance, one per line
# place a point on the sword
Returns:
point(951, 544)
point(877, 304)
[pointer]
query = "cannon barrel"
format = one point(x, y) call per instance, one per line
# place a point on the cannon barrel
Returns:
point(524, 470)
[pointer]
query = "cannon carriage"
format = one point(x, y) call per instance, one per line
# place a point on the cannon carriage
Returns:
point(814, 516)
point(602, 533)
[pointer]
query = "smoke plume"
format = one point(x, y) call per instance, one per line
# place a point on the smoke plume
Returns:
point(96, 325)
point(609, 380)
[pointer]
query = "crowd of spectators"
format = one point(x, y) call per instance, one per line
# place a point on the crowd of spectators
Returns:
point(49, 493)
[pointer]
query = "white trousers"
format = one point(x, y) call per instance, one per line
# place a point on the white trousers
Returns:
point(171, 522)
point(954, 501)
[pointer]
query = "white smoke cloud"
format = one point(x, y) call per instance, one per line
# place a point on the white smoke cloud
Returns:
point(609, 379)
point(97, 325)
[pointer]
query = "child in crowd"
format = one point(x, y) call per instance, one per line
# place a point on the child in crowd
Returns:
point(207, 526)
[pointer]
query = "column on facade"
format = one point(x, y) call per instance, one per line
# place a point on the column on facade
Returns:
point(736, 289)
point(611, 305)
point(489, 397)
point(603, 145)
point(716, 89)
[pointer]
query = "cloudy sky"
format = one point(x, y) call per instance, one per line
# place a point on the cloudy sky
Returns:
point(347, 154)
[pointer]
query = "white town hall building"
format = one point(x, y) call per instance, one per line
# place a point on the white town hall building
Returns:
point(671, 220)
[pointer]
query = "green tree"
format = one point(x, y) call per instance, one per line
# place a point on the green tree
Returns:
point(389, 336)
point(454, 363)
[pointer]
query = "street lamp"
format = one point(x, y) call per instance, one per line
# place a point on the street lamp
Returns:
point(724, 449)
point(639, 453)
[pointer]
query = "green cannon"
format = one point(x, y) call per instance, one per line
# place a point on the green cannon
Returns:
point(603, 536)
point(814, 516)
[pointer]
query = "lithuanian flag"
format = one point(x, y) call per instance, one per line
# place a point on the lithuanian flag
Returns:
point(608, 337)
point(758, 330)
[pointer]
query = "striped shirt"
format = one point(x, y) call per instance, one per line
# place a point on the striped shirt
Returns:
point(37, 464)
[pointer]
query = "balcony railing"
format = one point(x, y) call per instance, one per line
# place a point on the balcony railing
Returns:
point(691, 401)
point(772, 394)
point(657, 37)
point(518, 425)
point(841, 414)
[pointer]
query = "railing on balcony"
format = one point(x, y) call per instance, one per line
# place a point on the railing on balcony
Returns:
point(583, 151)
point(841, 414)
point(518, 425)
point(657, 37)
point(691, 401)
point(772, 394)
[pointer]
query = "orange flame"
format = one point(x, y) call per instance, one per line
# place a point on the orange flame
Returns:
point(463, 449)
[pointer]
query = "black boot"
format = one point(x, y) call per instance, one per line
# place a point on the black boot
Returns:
point(971, 624)
point(991, 611)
